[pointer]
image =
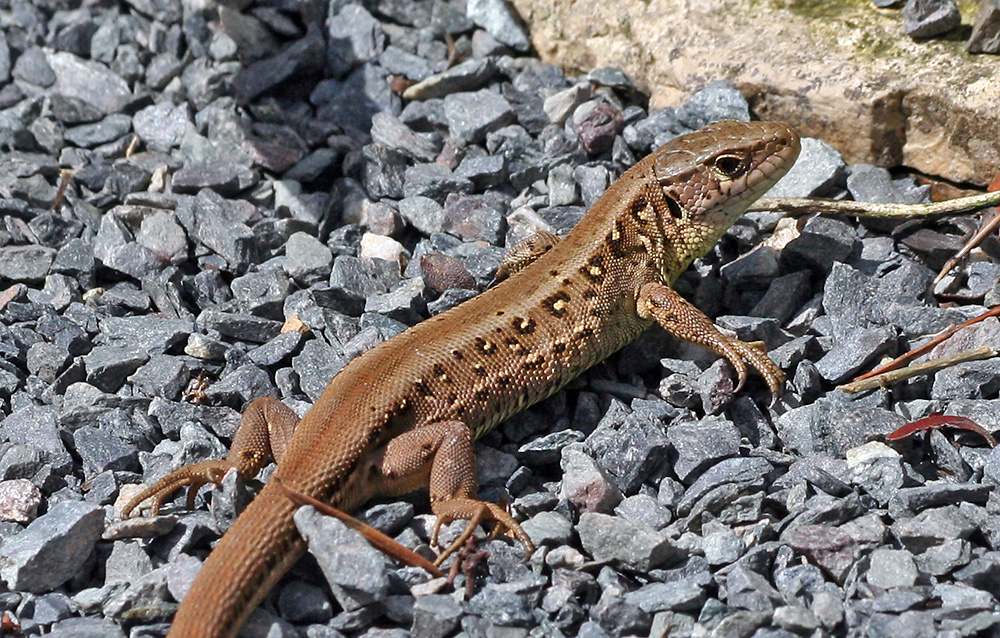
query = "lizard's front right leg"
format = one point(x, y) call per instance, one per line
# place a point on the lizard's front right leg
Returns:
point(680, 318)
point(265, 429)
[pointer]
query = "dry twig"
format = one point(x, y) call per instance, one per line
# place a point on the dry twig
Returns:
point(886, 379)
point(798, 206)
point(926, 347)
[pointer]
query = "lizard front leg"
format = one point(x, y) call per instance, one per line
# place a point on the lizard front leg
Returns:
point(681, 319)
point(264, 431)
point(525, 252)
point(440, 453)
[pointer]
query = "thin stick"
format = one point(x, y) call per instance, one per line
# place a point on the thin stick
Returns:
point(926, 347)
point(986, 226)
point(797, 206)
point(64, 176)
point(886, 379)
point(386, 544)
point(132, 145)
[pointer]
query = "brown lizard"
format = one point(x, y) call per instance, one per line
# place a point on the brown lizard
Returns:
point(403, 415)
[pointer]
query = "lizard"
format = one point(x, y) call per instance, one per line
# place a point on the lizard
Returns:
point(404, 415)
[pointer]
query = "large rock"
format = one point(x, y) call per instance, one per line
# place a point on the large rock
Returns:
point(841, 71)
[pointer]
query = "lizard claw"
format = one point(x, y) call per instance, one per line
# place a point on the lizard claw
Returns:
point(476, 512)
point(740, 353)
point(191, 476)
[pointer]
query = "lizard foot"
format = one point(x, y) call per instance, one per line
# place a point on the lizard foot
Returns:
point(678, 317)
point(192, 476)
point(476, 512)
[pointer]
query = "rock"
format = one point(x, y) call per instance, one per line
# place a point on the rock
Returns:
point(985, 36)
point(818, 167)
point(672, 47)
point(891, 568)
point(355, 571)
point(928, 18)
point(53, 548)
point(611, 538)
point(499, 21)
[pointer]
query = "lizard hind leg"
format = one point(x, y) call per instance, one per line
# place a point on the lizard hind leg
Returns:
point(441, 454)
point(264, 430)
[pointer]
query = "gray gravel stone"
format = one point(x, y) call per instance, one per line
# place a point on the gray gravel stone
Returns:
point(500, 21)
point(26, 264)
point(356, 572)
point(53, 548)
point(912, 500)
point(823, 243)
point(240, 326)
point(548, 529)
point(629, 449)
point(435, 616)
point(612, 538)
point(928, 18)
point(471, 116)
point(434, 181)
point(743, 473)
point(932, 527)
point(681, 595)
point(985, 36)
point(302, 603)
point(353, 37)
point(701, 444)
point(307, 260)
point(643, 508)
point(890, 568)
point(817, 168)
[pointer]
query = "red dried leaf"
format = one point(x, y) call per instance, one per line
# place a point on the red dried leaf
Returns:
point(938, 420)
point(994, 185)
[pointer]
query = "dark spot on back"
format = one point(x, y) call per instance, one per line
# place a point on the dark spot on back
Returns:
point(485, 347)
point(423, 388)
point(523, 326)
point(551, 303)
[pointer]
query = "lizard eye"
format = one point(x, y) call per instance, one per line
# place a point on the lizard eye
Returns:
point(730, 165)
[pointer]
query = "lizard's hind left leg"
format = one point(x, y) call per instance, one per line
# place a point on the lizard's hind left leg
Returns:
point(441, 453)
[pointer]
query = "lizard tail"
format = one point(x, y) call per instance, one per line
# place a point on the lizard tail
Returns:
point(252, 556)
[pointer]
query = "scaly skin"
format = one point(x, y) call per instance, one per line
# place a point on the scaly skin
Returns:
point(403, 415)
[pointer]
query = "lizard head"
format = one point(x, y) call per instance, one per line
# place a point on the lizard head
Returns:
point(709, 177)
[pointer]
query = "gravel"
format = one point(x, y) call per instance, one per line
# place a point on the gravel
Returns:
point(260, 192)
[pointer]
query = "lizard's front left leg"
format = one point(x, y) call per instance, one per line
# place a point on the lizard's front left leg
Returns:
point(681, 319)
point(441, 453)
point(524, 253)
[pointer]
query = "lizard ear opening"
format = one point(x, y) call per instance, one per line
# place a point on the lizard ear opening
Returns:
point(673, 207)
point(638, 204)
